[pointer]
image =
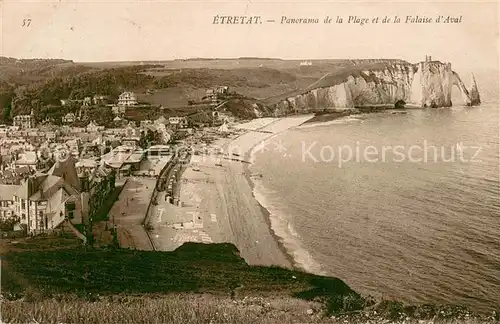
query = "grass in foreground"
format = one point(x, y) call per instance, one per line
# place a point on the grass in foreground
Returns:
point(194, 309)
point(51, 280)
point(198, 268)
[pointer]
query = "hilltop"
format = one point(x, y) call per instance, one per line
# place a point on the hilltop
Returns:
point(258, 86)
point(41, 84)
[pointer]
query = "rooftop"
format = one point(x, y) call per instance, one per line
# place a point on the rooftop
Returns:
point(7, 191)
point(87, 163)
point(159, 147)
point(135, 157)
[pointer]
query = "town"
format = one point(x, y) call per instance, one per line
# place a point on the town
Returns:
point(66, 175)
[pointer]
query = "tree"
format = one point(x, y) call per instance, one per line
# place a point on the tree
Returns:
point(143, 142)
point(153, 136)
point(7, 225)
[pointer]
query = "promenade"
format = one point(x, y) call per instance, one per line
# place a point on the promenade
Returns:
point(129, 211)
point(217, 203)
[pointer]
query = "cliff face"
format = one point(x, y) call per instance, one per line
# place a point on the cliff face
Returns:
point(426, 84)
point(474, 93)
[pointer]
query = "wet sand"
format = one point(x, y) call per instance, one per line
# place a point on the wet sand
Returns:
point(218, 203)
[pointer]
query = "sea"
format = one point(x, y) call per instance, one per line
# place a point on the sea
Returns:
point(400, 206)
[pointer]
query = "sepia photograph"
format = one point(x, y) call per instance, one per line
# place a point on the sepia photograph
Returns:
point(249, 162)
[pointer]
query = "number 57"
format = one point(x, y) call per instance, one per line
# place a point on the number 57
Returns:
point(26, 22)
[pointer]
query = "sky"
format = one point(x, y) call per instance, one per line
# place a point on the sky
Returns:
point(96, 31)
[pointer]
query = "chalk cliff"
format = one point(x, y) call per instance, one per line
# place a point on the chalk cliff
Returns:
point(425, 84)
point(474, 93)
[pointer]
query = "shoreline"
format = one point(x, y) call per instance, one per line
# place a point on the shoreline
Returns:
point(267, 216)
point(218, 203)
point(221, 203)
point(266, 213)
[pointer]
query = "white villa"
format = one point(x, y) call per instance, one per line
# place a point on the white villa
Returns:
point(25, 121)
point(127, 99)
point(69, 118)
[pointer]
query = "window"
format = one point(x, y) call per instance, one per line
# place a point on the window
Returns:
point(24, 216)
point(70, 208)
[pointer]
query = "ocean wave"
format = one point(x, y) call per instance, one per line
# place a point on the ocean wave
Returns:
point(340, 121)
point(258, 147)
point(283, 229)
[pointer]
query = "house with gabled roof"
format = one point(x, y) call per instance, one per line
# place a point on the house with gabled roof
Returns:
point(127, 98)
point(46, 200)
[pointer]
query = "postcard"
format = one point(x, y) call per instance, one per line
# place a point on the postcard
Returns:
point(249, 161)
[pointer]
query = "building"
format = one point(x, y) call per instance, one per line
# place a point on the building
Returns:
point(132, 141)
point(87, 101)
point(46, 201)
point(51, 136)
point(145, 123)
point(127, 99)
point(123, 159)
point(221, 116)
point(210, 93)
point(73, 145)
point(117, 119)
point(159, 151)
point(178, 121)
point(131, 130)
point(222, 90)
point(92, 127)
point(28, 159)
point(100, 100)
point(85, 166)
point(25, 121)
point(69, 118)
point(4, 130)
point(161, 120)
point(7, 200)
point(119, 110)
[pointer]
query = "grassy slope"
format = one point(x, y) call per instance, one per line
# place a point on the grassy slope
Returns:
point(60, 281)
point(193, 267)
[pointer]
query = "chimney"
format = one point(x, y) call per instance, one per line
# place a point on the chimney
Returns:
point(30, 186)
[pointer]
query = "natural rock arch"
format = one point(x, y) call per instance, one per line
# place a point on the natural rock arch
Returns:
point(400, 104)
